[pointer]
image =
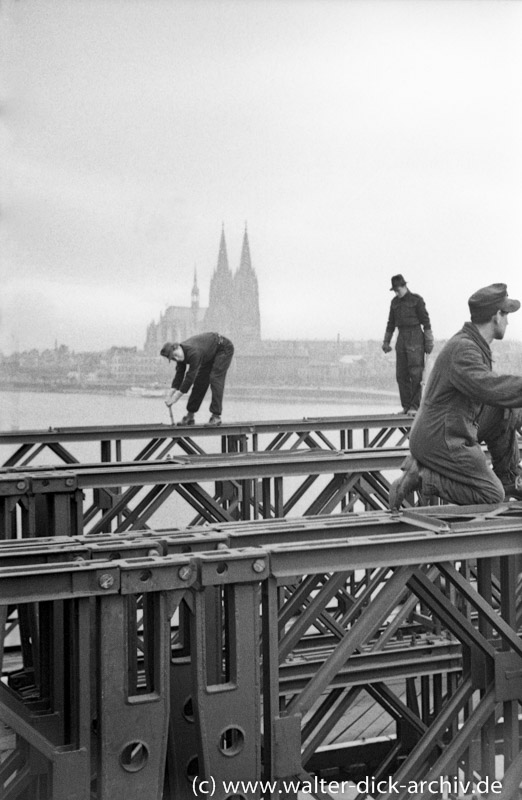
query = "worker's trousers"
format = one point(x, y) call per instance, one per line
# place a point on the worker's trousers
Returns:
point(409, 366)
point(498, 430)
point(214, 374)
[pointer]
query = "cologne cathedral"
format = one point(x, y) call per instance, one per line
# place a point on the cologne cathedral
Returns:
point(233, 308)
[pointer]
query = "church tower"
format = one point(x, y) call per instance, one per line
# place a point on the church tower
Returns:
point(219, 316)
point(194, 302)
point(247, 318)
point(195, 292)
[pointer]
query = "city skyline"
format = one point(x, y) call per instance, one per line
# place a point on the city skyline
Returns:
point(358, 139)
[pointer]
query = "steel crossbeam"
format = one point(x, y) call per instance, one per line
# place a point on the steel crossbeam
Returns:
point(378, 646)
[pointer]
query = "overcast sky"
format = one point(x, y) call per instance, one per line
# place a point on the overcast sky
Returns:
point(357, 138)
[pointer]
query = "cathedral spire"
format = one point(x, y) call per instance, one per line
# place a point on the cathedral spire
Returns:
point(222, 265)
point(245, 263)
point(219, 313)
point(195, 290)
point(247, 318)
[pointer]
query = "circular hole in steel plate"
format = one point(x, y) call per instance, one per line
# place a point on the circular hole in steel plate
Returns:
point(231, 741)
point(134, 756)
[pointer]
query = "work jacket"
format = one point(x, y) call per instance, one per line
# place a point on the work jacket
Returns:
point(407, 312)
point(200, 351)
point(444, 433)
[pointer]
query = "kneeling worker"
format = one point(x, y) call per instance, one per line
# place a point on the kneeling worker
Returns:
point(201, 360)
point(466, 403)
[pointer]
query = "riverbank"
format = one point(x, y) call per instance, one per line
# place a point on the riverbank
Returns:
point(327, 394)
point(332, 394)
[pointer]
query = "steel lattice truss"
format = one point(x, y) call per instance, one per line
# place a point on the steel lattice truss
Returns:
point(239, 471)
point(97, 498)
point(156, 442)
point(361, 646)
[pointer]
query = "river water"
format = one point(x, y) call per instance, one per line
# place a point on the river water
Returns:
point(43, 410)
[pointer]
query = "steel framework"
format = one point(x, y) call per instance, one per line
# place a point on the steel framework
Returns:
point(353, 647)
point(119, 442)
point(96, 498)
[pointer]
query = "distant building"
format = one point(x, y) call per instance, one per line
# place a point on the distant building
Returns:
point(176, 323)
point(233, 308)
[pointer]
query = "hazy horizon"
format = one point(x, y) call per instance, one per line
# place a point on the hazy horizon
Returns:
point(357, 140)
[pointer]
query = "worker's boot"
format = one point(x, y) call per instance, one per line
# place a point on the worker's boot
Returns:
point(188, 419)
point(215, 419)
point(406, 484)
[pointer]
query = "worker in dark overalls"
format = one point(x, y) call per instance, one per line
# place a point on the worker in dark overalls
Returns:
point(467, 403)
point(201, 361)
point(408, 313)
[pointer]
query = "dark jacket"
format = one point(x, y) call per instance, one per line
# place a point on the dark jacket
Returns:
point(200, 350)
point(444, 433)
point(407, 312)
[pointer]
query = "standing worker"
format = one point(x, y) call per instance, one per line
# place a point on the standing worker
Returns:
point(408, 313)
point(466, 403)
point(201, 360)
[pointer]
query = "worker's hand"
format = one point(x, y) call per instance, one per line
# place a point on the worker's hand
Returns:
point(172, 397)
point(429, 341)
point(386, 347)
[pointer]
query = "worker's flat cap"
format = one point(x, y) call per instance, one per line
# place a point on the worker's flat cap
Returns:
point(490, 299)
point(167, 349)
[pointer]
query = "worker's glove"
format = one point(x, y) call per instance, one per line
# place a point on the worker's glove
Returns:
point(429, 341)
point(386, 347)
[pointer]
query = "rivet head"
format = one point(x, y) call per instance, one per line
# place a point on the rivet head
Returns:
point(106, 581)
point(185, 572)
point(69, 482)
point(259, 565)
point(153, 552)
point(20, 485)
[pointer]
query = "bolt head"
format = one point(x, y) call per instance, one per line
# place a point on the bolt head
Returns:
point(106, 581)
point(259, 565)
point(185, 572)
